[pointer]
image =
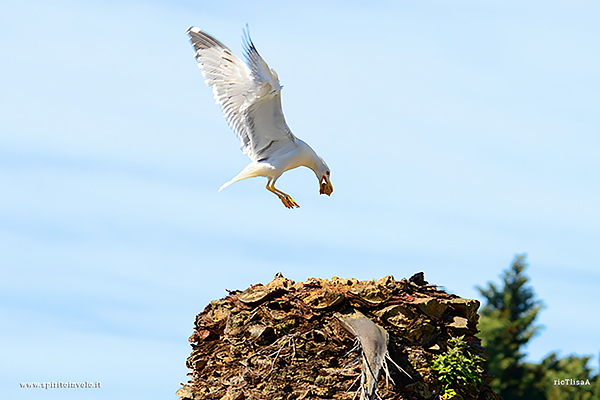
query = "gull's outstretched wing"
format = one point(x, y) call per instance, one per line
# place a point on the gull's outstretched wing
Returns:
point(249, 95)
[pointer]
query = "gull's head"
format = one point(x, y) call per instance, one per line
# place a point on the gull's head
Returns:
point(323, 175)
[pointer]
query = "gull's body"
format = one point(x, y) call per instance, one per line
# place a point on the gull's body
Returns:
point(250, 97)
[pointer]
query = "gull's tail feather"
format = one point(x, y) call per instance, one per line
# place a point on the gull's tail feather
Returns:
point(251, 170)
point(239, 177)
point(223, 186)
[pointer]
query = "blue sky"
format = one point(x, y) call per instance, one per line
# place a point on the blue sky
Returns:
point(458, 133)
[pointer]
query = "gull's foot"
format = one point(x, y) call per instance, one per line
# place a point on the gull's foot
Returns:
point(289, 202)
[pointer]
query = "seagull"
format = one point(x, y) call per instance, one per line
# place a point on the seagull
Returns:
point(249, 94)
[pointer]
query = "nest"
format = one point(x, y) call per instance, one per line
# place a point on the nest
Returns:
point(329, 339)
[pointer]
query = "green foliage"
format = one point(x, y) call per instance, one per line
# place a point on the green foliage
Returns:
point(557, 378)
point(507, 325)
point(457, 367)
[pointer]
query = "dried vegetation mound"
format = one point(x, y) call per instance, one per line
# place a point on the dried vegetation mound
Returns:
point(331, 339)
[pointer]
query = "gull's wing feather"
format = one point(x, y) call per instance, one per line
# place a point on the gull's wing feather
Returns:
point(260, 70)
point(249, 95)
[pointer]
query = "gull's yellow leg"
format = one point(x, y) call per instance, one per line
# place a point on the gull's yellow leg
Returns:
point(275, 191)
point(285, 198)
point(289, 202)
point(281, 196)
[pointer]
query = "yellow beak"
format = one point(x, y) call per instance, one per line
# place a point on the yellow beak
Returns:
point(326, 186)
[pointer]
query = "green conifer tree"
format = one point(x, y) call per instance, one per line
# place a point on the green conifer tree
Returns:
point(507, 325)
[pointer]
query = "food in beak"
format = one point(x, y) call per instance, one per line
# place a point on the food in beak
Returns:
point(326, 187)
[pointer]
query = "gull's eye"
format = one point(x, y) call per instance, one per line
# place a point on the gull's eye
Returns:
point(328, 173)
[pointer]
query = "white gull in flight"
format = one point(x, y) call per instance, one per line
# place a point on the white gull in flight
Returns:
point(249, 94)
